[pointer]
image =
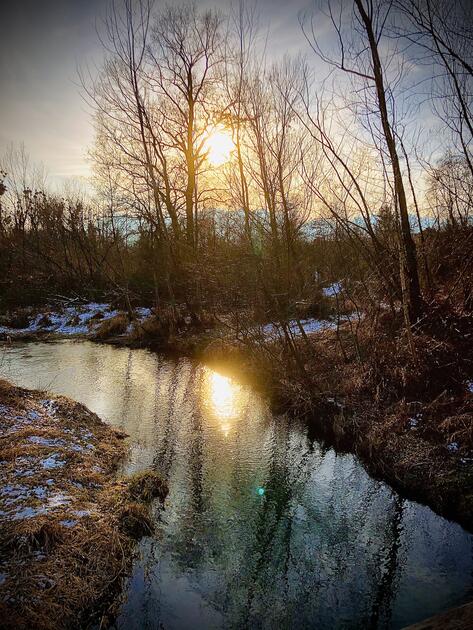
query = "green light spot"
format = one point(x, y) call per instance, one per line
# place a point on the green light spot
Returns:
point(260, 491)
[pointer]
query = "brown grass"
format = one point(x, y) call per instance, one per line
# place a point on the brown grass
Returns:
point(409, 415)
point(152, 329)
point(66, 532)
point(110, 327)
point(147, 485)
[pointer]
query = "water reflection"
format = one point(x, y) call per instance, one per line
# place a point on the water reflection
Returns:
point(223, 399)
point(324, 546)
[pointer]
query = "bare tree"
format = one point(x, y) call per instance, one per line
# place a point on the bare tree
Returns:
point(363, 61)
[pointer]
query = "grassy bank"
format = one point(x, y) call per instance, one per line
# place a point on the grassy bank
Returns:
point(67, 524)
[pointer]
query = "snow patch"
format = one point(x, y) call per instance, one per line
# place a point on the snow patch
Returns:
point(50, 406)
point(414, 420)
point(28, 512)
point(36, 439)
point(58, 500)
point(72, 320)
point(333, 290)
point(53, 461)
point(143, 313)
point(308, 325)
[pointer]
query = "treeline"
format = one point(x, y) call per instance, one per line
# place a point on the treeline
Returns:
point(328, 180)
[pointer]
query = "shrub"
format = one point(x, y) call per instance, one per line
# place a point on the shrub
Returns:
point(134, 520)
point(153, 328)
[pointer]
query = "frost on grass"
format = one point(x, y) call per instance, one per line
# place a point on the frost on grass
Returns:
point(61, 509)
point(52, 462)
point(51, 452)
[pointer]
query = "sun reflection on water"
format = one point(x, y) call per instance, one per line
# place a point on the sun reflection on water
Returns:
point(223, 399)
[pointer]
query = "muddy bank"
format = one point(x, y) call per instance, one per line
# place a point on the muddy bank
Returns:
point(460, 618)
point(68, 525)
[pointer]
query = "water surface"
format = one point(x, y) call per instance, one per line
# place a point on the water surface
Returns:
point(264, 527)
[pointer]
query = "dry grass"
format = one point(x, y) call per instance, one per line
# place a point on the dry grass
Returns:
point(67, 525)
point(152, 330)
point(146, 486)
point(110, 327)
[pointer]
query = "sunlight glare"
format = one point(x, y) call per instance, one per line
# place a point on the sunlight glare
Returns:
point(223, 399)
point(222, 395)
point(219, 146)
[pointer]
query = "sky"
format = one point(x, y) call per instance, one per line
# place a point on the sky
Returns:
point(42, 45)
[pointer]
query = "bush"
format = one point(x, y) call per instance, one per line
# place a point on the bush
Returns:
point(134, 520)
point(153, 328)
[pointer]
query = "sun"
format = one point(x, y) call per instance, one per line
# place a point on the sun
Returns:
point(219, 146)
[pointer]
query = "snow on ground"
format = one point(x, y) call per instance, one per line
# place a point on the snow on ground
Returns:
point(143, 313)
point(50, 490)
point(333, 290)
point(73, 320)
point(40, 442)
point(273, 331)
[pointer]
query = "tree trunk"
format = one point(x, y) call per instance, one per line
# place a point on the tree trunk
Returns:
point(412, 286)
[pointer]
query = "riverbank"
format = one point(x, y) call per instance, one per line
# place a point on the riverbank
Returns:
point(460, 618)
point(404, 406)
point(68, 525)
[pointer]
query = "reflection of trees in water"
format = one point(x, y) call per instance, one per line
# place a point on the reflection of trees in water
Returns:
point(169, 400)
point(271, 516)
point(180, 456)
point(262, 562)
point(382, 603)
point(196, 446)
point(326, 547)
point(321, 549)
point(280, 569)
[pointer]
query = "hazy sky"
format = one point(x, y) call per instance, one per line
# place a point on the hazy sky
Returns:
point(42, 42)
